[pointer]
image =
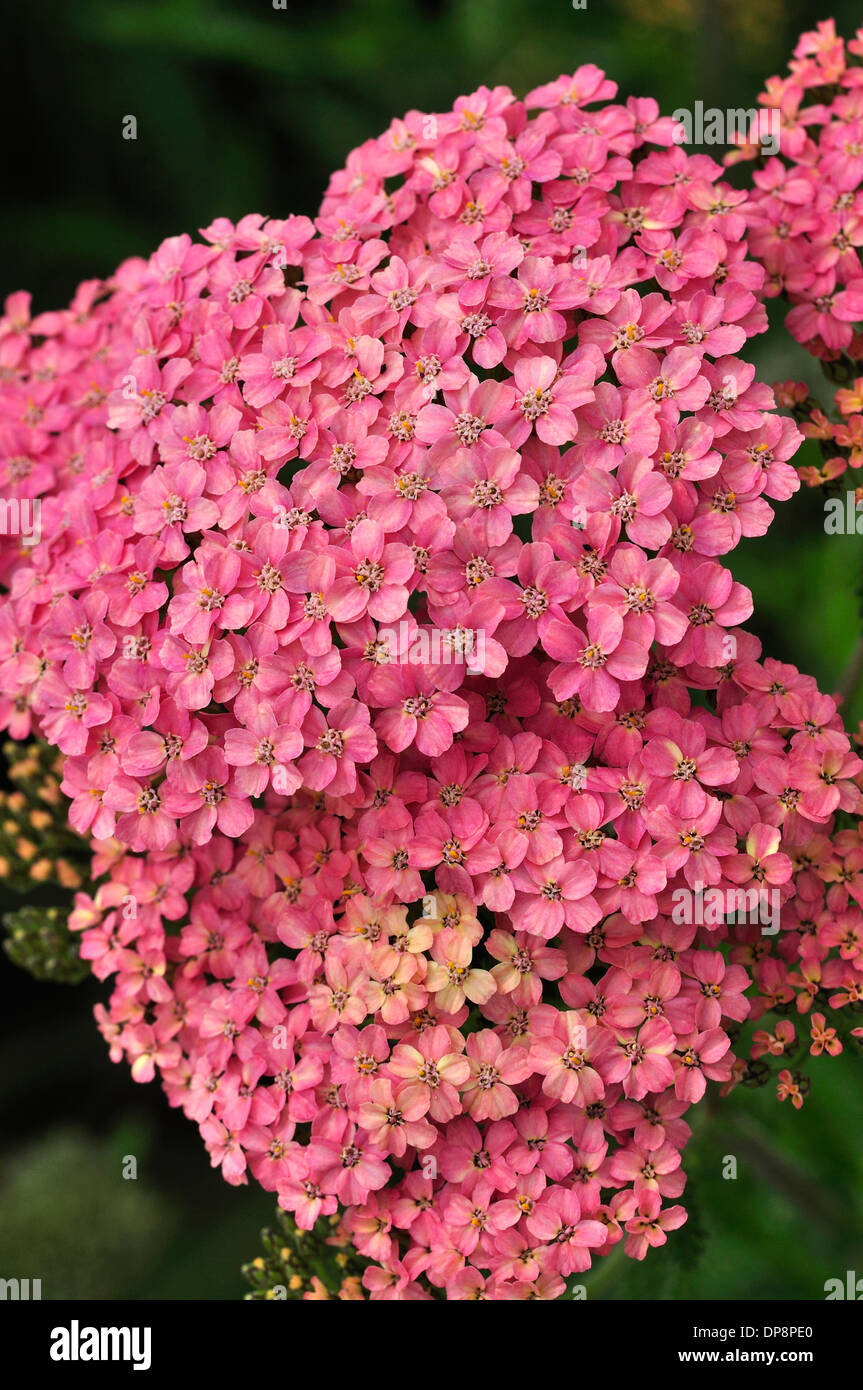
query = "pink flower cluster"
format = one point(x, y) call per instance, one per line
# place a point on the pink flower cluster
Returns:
point(396, 926)
point(805, 214)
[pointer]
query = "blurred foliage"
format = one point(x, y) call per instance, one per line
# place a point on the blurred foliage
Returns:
point(69, 1218)
point(244, 107)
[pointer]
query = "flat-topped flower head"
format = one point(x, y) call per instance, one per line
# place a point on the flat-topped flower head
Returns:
point(377, 612)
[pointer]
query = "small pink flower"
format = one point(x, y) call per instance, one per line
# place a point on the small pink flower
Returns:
point(591, 665)
point(493, 1071)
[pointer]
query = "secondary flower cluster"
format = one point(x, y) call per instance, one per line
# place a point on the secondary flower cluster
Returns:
point(378, 615)
point(805, 219)
point(805, 208)
point(839, 440)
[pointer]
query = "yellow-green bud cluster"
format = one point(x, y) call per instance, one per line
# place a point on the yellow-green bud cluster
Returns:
point(36, 844)
point(298, 1265)
point(39, 941)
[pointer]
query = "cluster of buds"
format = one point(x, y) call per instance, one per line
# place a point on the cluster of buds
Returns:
point(310, 1265)
point(39, 852)
point(38, 940)
point(37, 845)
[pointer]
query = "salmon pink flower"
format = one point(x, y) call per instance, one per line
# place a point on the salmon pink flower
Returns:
point(700, 1057)
point(431, 1072)
point(533, 302)
point(547, 395)
point(264, 752)
point(348, 1170)
point(487, 491)
point(557, 1221)
point(391, 1124)
point(335, 743)
point(493, 1072)
point(789, 1088)
point(824, 1039)
point(591, 664)
point(563, 1057)
point(647, 1227)
point(417, 707)
point(450, 976)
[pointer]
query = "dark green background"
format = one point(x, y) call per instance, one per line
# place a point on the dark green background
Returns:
point(243, 108)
